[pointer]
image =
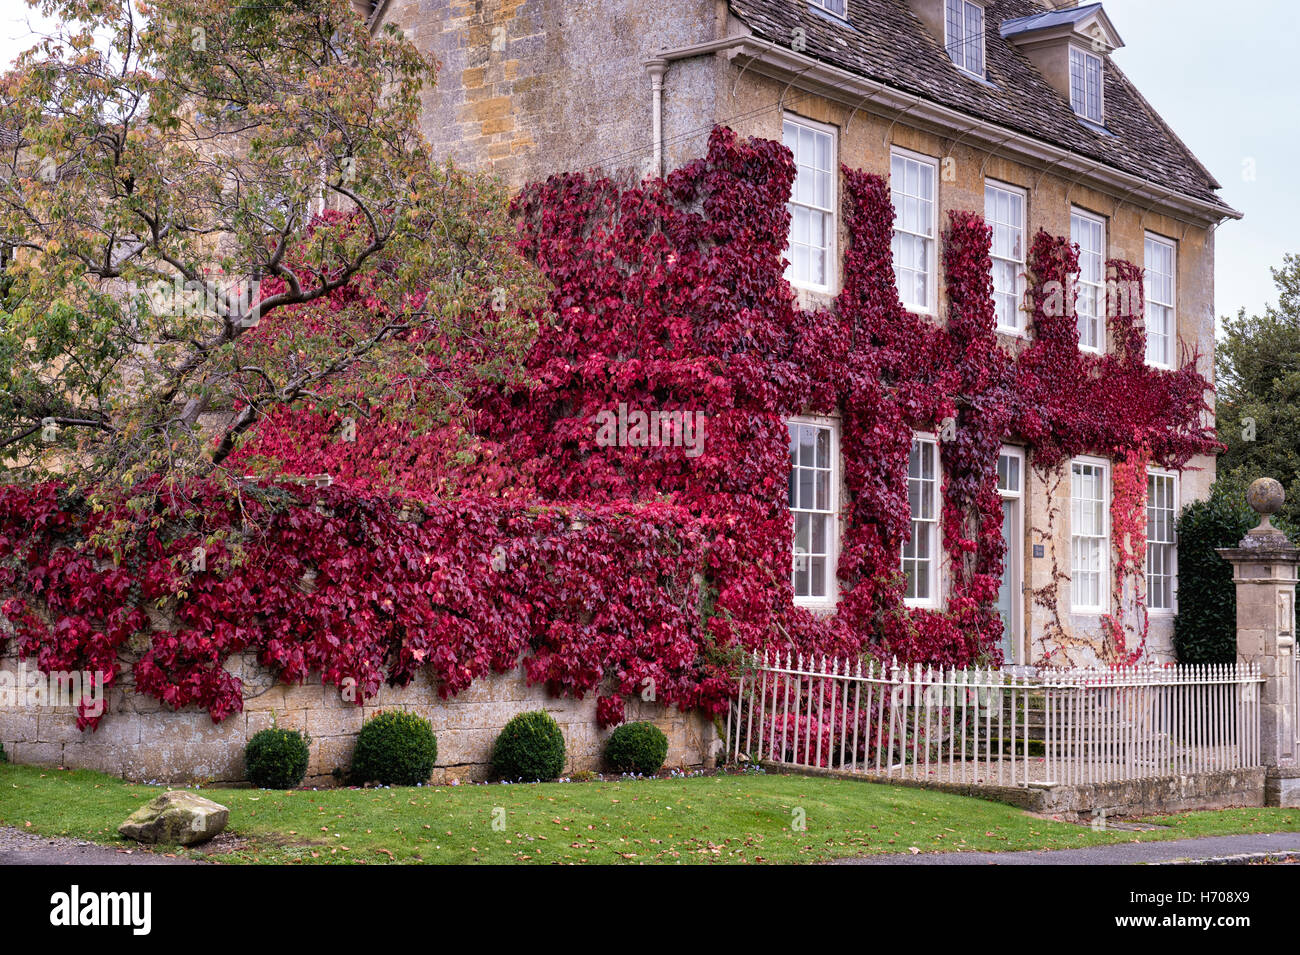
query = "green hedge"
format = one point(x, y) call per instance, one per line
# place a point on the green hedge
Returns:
point(637, 748)
point(276, 758)
point(530, 747)
point(1205, 629)
point(395, 748)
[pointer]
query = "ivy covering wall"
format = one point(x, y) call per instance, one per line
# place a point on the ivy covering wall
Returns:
point(622, 569)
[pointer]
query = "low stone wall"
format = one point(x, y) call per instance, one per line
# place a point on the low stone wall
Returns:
point(1158, 794)
point(141, 740)
point(1217, 790)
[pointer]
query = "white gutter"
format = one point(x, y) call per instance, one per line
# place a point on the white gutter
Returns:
point(833, 82)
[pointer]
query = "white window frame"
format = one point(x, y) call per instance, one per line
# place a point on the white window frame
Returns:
point(932, 524)
point(931, 305)
point(831, 588)
point(1015, 555)
point(836, 8)
point(829, 211)
point(1149, 239)
point(1102, 605)
point(1082, 59)
point(1018, 453)
point(1171, 570)
point(1099, 286)
point(966, 50)
point(1018, 264)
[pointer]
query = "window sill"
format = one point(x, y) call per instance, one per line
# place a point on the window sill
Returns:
point(922, 605)
point(821, 608)
point(979, 78)
point(825, 291)
point(1092, 124)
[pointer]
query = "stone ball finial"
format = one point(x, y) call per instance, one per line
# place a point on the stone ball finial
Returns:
point(1265, 496)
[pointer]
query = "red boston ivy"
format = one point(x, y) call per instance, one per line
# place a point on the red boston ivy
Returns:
point(624, 568)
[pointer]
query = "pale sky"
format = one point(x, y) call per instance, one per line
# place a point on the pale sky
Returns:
point(1221, 74)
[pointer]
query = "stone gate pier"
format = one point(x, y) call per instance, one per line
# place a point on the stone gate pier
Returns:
point(1264, 569)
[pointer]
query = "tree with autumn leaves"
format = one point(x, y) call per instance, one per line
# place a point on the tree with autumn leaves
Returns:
point(210, 211)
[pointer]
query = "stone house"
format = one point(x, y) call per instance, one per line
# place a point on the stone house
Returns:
point(1013, 108)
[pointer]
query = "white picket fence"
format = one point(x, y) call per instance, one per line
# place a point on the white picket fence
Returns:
point(1006, 727)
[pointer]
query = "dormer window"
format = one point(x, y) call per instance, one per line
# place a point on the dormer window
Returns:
point(830, 6)
point(1085, 84)
point(964, 35)
point(1069, 46)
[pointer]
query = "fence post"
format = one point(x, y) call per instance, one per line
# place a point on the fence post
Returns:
point(1264, 570)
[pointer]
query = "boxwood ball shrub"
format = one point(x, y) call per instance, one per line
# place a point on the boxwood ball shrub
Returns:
point(276, 758)
point(395, 748)
point(529, 747)
point(637, 748)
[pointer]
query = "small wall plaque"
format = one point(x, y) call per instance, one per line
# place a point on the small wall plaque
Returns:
point(1038, 550)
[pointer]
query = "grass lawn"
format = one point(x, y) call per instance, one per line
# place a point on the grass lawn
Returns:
point(710, 819)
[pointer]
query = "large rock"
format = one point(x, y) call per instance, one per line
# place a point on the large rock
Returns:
point(176, 818)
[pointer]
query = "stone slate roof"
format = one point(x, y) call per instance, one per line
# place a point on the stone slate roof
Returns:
point(886, 42)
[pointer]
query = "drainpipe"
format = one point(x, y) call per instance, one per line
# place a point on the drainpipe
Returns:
point(728, 46)
point(657, 69)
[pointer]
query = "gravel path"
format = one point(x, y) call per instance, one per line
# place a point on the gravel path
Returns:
point(26, 848)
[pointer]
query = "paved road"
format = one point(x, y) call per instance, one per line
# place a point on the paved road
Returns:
point(26, 848)
point(1128, 853)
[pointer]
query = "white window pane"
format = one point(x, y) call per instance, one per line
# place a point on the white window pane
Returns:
point(823, 458)
point(819, 539)
point(803, 533)
point(812, 204)
point(812, 503)
point(1162, 508)
point(1004, 211)
point(802, 268)
point(806, 487)
point(817, 576)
